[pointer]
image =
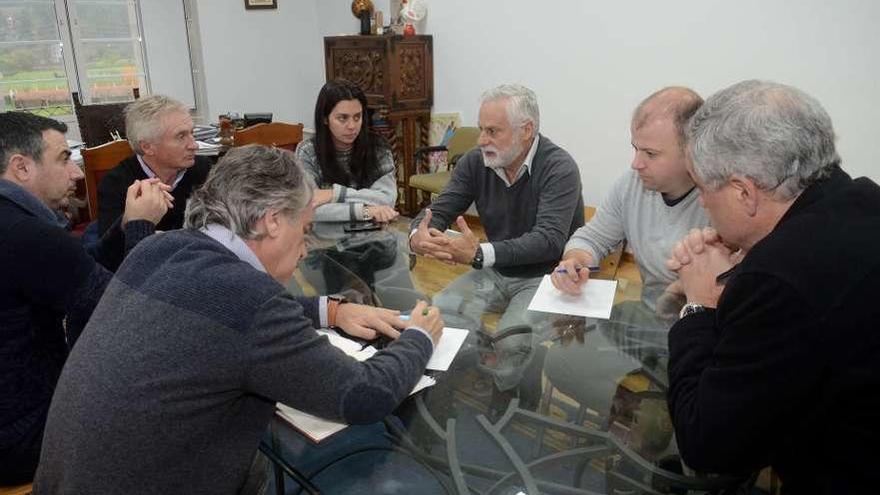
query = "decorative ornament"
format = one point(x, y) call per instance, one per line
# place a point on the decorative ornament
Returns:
point(363, 10)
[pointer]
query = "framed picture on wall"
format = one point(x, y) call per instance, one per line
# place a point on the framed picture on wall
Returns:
point(261, 4)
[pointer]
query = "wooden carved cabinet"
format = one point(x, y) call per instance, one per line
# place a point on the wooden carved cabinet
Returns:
point(397, 75)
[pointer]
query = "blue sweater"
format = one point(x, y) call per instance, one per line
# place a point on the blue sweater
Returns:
point(175, 378)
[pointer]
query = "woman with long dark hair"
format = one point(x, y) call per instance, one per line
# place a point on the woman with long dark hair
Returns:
point(352, 167)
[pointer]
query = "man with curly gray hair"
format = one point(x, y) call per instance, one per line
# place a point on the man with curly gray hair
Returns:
point(780, 364)
point(197, 338)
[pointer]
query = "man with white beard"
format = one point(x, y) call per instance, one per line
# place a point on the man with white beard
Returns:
point(527, 192)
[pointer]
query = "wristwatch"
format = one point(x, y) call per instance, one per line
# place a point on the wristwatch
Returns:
point(691, 309)
point(478, 259)
point(333, 303)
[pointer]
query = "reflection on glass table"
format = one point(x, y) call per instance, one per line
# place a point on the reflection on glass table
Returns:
point(586, 412)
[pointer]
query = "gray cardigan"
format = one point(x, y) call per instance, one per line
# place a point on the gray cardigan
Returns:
point(176, 376)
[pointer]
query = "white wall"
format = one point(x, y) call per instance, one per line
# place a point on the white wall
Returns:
point(591, 62)
point(165, 40)
point(261, 60)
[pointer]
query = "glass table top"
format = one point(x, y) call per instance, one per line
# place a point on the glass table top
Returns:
point(533, 402)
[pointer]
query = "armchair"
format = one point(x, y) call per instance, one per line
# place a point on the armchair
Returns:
point(463, 140)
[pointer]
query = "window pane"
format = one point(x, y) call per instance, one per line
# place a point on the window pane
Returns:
point(110, 49)
point(28, 20)
point(32, 75)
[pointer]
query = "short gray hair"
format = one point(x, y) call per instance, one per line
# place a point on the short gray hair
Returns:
point(776, 135)
point(245, 184)
point(143, 118)
point(522, 104)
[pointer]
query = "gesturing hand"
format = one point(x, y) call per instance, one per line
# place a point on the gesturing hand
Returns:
point(429, 241)
point(462, 248)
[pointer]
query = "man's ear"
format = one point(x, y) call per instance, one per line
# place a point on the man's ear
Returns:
point(529, 131)
point(20, 168)
point(147, 147)
point(271, 221)
point(746, 194)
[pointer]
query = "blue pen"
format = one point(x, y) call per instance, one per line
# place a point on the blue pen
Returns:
point(593, 269)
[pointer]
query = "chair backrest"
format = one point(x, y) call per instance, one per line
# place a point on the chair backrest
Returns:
point(98, 161)
point(278, 134)
point(463, 140)
point(97, 122)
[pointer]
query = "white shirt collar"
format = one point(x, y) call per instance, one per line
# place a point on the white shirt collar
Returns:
point(525, 167)
point(147, 170)
point(233, 243)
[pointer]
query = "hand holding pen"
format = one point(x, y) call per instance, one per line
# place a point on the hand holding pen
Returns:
point(572, 272)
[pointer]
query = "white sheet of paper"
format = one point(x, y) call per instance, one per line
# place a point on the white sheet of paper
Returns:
point(447, 348)
point(313, 427)
point(594, 301)
point(318, 429)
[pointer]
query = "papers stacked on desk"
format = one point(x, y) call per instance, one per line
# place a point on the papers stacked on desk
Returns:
point(207, 149)
point(205, 132)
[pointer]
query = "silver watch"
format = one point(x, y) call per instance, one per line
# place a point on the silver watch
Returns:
point(690, 309)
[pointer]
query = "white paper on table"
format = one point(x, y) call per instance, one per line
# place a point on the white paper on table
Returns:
point(317, 429)
point(447, 348)
point(594, 301)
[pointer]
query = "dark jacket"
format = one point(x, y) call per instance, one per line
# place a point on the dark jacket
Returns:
point(47, 276)
point(786, 371)
point(114, 185)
